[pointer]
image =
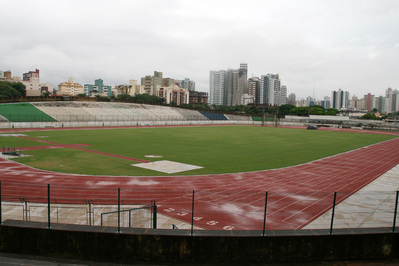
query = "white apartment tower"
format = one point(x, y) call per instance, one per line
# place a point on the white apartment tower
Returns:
point(393, 100)
point(269, 87)
point(217, 83)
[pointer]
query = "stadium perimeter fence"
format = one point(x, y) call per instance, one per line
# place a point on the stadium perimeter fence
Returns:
point(197, 210)
point(96, 118)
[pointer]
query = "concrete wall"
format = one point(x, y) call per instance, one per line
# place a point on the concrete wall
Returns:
point(178, 246)
point(17, 125)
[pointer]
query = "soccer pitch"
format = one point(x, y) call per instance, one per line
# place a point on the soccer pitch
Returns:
point(217, 149)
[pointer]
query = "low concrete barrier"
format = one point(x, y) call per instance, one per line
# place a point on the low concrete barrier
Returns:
point(178, 246)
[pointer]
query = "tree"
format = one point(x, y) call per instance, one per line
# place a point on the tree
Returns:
point(300, 111)
point(316, 110)
point(285, 109)
point(19, 87)
point(7, 89)
point(332, 111)
point(125, 97)
point(370, 116)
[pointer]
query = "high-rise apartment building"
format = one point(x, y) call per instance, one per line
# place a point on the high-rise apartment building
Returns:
point(382, 104)
point(355, 103)
point(269, 87)
point(368, 102)
point(217, 87)
point(340, 99)
point(187, 84)
point(150, 83)
point(393, 100)
point(236, 84)
point(281, 96)
point(326, 103)
point(291, 99)
point(254, 89)
point(228, 87)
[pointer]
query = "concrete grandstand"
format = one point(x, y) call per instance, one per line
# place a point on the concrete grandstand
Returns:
point(104, 111)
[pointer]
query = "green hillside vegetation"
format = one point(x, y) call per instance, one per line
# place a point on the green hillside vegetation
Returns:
point(24, 112)
point(12, 89)
point(219, 149)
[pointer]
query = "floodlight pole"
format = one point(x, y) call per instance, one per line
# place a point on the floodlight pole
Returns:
point(192, 215)
point(48, 207)
point(333, 213)
point(276, 117)
point(263, 116)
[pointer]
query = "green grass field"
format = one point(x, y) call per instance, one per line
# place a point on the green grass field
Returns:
point(219, 149)
point(23, 112)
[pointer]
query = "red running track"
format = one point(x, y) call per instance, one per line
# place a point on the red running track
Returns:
point(296, 195)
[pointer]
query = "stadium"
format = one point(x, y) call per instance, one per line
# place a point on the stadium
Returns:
point(124, 168)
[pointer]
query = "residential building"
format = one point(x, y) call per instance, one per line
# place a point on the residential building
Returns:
point(310, 101)
point(368, 102)
point(131, 89)
point(291, 99)
point(253, 90)
point(5, 75)
point(98, 88)
point(173, 94)
point(236, 84)
point(31, 75)
point(269, 87)
point(196, 97)
point(150, 83)
point(166, 82)
point(355, 103)
point(326, 103)
point(340, 99)
point(393, 100)
point(247, 99)
point(31, 80)
point(281, 95)
point(70, 88)
point(187, 84)
point(228, 86)
point(382, 104)
point(217, 87)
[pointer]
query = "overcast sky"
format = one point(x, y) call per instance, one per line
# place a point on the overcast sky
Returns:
point(315, 46)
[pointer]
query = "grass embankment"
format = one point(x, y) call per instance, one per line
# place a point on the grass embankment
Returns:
point(24, 112)
point(219, 149)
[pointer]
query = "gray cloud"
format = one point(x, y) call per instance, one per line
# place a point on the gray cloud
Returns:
point(313, 45)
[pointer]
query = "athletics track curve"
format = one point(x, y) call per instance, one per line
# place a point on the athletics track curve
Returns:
point(296, 195)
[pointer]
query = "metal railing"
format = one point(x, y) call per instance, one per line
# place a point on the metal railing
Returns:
point(198, 210)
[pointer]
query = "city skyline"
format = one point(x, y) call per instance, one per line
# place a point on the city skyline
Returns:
point(316, 47)
point(189, 84)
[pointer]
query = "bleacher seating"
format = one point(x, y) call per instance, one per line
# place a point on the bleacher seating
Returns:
point(214, 116)
point(79, 111)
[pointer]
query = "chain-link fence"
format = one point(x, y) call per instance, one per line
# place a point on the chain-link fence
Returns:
point(198, 210)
